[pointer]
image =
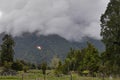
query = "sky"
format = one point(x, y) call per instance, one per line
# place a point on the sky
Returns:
point(70, 19)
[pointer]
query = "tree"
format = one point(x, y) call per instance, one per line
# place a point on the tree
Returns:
point(44, 68)
point(68, 62)
point(17, 66)
point(0, 59)
point(7, 51)
point(58, 70)
point(104, 63)
point(110, 31)
point(79, 55)
point(7, 66)
point(73, 59)
point(91, 59)
point(55, 62)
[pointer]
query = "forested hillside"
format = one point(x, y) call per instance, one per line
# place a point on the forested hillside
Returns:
point(51, 45)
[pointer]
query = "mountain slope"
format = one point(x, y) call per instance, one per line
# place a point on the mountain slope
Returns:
point(25, 48)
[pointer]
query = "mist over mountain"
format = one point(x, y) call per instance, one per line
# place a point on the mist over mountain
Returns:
point(70, 19)
point(58, 24)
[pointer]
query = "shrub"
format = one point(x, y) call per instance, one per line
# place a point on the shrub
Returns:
point(18, 66)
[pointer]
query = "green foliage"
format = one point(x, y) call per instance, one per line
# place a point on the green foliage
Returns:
point(110, 31)
point(91, 59)
point(73, 59)
point(86, 59)
point(7, 51)
point(18, 66)
point(58, 70)
point(85, 72)
point(44, 67)
point(55, 62)
point(37, 75)
point(33, 66)
point(25, 68)
point(7, 66)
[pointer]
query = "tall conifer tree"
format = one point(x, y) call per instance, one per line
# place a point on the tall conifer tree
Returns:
point(7, 51)
point(110, 31)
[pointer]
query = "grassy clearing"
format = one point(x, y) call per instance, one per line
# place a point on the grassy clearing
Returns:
point(37, 75)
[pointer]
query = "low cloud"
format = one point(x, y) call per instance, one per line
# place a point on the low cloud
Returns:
point(70, 19)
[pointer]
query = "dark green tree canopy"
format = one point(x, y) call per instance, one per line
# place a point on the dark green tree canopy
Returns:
point(110, 23)
point(110, 27)
point(7, 51)
point(110, 31)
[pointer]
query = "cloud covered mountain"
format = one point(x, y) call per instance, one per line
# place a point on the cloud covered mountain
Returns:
point(62, 24)
point(26, 47)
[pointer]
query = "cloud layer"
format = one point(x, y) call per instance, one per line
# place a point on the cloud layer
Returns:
point(70, 19)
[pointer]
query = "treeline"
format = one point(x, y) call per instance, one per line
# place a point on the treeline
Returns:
point(7, 62)
point(87, 61)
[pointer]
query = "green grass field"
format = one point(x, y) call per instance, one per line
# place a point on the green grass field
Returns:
point(37, 75)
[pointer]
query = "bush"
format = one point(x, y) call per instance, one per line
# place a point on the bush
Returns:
point(7, 66)
point(85, 72)
point(25, 68)
point(18, 66)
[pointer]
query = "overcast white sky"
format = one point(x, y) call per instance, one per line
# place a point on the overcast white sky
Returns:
point(70, 19)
